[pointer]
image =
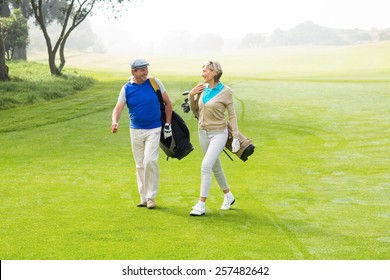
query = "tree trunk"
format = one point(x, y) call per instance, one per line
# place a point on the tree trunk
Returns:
point(62, 56)
point(3, 67)
point(52, 64)
point(4, 12)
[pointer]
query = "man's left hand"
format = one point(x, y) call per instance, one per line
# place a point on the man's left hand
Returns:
point(167, 130)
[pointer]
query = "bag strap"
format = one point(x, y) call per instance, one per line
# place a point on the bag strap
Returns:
point(157, 90)
point(154, 84)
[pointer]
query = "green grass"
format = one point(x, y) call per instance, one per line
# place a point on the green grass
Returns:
point(317, 186)
point(31, 83)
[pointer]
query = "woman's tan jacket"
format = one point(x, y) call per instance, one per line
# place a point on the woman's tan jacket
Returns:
point(211, 116)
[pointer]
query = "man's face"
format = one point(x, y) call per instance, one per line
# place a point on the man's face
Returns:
point(140, 75)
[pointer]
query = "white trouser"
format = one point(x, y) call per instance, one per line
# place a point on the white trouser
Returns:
point(212, 144)
point(145, 144)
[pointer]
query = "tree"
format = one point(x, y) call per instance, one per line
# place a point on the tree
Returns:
point(384, 35)
point(253, 41)
point(214, 42)
point(16, 31)
point(3, 67)
point(20, 52)
point(70, 14)
point(4, 12)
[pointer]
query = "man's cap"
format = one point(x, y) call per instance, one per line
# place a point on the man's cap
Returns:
point(139, 63)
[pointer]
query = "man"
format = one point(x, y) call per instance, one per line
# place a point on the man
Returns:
point(145, 127)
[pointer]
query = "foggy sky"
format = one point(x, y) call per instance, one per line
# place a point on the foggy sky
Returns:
point(147, 22)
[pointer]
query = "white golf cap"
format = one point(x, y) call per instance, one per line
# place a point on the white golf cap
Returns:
point(139, 63)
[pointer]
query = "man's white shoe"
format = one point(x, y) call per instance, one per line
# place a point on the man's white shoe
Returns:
point(228, 201)
point(198, 210)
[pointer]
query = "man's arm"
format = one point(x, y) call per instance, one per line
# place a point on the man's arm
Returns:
point(116, 114)
point(168, 108)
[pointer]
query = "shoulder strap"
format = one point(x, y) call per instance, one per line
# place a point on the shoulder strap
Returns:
point(154, 84)
point(157, 90)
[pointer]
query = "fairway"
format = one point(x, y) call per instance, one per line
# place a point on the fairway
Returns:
point(317, 186)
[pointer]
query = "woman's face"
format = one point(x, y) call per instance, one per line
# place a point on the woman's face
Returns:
point(207, 74)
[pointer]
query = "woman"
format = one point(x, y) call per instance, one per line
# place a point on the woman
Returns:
point(209, 101)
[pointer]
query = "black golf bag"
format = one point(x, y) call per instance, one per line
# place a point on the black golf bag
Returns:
point(179, 145)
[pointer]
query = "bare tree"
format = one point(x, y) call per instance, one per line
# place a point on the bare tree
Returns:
point(73, 13)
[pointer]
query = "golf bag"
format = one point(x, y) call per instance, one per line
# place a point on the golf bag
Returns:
point(246, 146)
point(179, 145)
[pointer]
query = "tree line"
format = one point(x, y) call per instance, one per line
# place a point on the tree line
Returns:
point(308, 33)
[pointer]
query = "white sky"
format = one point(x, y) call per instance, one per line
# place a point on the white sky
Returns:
point(235, 18)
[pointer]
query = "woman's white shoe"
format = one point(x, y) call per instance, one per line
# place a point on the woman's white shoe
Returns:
point(198, 210)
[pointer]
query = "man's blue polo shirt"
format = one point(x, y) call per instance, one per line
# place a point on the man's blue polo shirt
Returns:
point(143, 105)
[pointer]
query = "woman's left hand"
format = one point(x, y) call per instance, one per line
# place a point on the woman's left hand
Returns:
point(198, 89)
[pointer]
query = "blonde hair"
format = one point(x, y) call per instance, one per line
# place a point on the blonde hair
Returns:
point(214, 66)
